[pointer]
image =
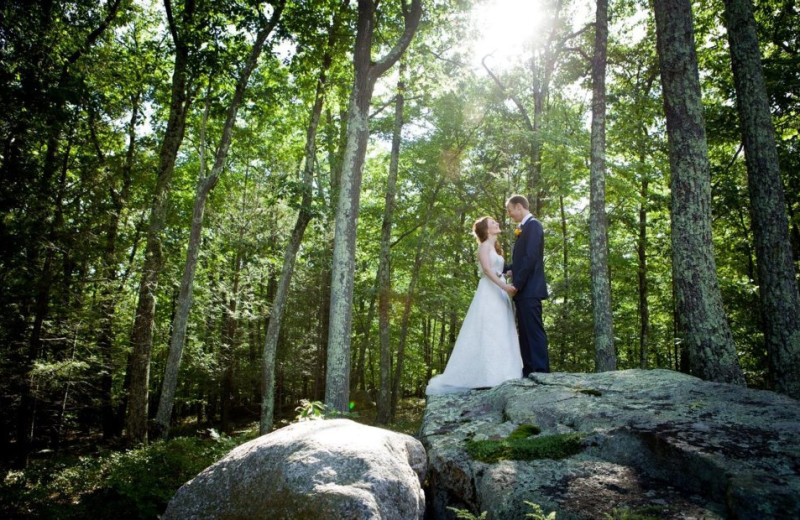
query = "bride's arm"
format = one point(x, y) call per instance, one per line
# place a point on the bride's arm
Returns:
point(485, 259)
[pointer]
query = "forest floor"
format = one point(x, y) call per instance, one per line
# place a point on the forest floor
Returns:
point(90, 480)
point(407, 420)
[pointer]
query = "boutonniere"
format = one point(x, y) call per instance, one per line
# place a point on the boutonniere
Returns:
point(517, 232)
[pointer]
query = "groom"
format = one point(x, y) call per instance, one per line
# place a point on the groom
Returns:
point(527, 266)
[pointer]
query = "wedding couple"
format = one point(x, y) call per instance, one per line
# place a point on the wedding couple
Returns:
point(490, 349)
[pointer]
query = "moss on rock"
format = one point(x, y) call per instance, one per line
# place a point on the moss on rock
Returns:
point(523, 445)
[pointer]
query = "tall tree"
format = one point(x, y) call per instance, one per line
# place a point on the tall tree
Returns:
point(777, 286)
point(366, 74)
point(304, 216)
point(204, 187)
point(144, 321)
point(384, 263)
point(107, 307)
point(605, 355)
point(707, 335)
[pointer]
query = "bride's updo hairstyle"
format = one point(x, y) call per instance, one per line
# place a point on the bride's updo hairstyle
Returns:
point(481, 231)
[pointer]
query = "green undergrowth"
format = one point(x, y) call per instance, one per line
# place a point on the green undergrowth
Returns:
point(642, 513)
point(523, 444)
point(537, 513)
point(134, 484)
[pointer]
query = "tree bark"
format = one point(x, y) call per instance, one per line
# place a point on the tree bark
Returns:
point(780, 302)
point(367, 72)
point(707, 336)
point(605, 356)
point(385, 265)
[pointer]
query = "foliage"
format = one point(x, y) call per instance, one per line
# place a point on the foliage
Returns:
point(312, 410)
point(643, 513)
point(134, 484)
point(309, 410)
point(537, 514)
point(523, 445)
point(466, 515)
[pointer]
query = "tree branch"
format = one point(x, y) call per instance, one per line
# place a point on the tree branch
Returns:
point(411, 17)
point(442, 58)
point(514, 98)
point(579, 51)
point(173, 29)
point(112, 13)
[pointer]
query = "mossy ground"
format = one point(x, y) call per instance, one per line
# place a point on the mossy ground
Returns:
point(523, 444)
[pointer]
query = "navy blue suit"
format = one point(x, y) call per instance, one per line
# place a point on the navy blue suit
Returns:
point(527, 264)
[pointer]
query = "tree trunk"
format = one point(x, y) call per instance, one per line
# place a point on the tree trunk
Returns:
point(780, 302)
point(181, 318)
point(360, 376)
point(229, 326)
point(419, 255)
point(290, 255)
point(385, 265)
point(605, 356)
point(401, 342)
point(105, 340)
point(565, 314)
point(41, 310)
point(641, 249)
point(142, 334)
point(707, 336)
point(204, 187)
point(337, 382)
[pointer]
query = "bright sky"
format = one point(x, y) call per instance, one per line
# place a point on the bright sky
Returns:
point(507, 27)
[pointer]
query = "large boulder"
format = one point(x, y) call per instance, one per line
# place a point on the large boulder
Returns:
point(654, 442)
point(333, 469)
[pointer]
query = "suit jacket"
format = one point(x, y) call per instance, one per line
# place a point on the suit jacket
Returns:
point(527, 262)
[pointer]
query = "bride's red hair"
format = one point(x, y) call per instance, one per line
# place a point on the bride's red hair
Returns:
point(481, 231)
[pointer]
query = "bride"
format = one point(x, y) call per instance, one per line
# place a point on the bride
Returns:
point(486, 352)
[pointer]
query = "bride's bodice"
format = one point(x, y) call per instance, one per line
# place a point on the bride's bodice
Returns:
point(497, 264)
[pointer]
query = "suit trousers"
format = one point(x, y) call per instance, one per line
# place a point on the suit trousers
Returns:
point(532, 337)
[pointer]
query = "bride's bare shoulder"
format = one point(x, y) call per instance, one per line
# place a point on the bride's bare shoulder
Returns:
point(483, 246)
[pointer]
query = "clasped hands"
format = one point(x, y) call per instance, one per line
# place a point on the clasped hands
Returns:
point(510, 289)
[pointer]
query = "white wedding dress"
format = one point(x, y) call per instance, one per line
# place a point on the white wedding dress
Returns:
point(486, 352)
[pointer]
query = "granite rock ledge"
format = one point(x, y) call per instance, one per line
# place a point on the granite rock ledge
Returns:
point(654, 441)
